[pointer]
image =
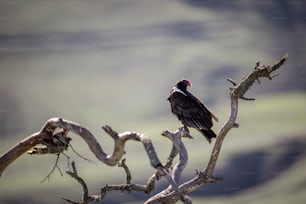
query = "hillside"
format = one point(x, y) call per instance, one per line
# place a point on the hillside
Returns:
point(113, 62)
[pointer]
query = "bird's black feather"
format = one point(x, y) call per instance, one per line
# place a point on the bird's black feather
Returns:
point(190, 110)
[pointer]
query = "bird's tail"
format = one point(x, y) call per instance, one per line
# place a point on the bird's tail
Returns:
point(208, 134)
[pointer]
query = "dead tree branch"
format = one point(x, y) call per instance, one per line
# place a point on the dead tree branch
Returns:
point(74, 174)
point(47, 133)
point(20, 148)
point(237, 92)
point(50, 138)
point(150, 185)
point(53, 169)
point(173, 180)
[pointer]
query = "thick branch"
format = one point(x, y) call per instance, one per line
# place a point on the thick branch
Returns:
point(20, 148)
point(176, 138)
point(48, 131)
point(177, 170)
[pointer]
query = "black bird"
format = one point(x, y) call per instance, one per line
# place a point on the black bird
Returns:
point(190, 110)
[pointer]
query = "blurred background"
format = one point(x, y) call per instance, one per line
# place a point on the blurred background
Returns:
point(113, 62)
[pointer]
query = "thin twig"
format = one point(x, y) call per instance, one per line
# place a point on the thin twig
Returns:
point(232, 81)
point(81, 156)
point(127, 171)
point(55, 166)
point(247, 99)
point(74, 174)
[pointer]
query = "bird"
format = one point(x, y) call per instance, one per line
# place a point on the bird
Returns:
point(190, 110)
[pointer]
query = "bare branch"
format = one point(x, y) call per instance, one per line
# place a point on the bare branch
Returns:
point(53, 169)
point(48, 137)
point(237, 92)
point(247, 99)
point(232, 81)
point(173, 178)
point(175, 137)
point(79, 155)
point(47, 133)
point(20, 148)
point(127, 171)
point(148, 188)
point(74, 174)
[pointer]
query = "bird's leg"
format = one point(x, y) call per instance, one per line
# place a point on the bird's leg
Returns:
point(184, 127)
point(184, 131)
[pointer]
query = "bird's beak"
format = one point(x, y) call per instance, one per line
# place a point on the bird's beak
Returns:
point(187, 82)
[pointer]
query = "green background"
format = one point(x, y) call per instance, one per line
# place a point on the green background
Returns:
point(114, 62)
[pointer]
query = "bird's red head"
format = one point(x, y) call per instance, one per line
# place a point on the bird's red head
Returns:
point(187, 82)
point(183, 84)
